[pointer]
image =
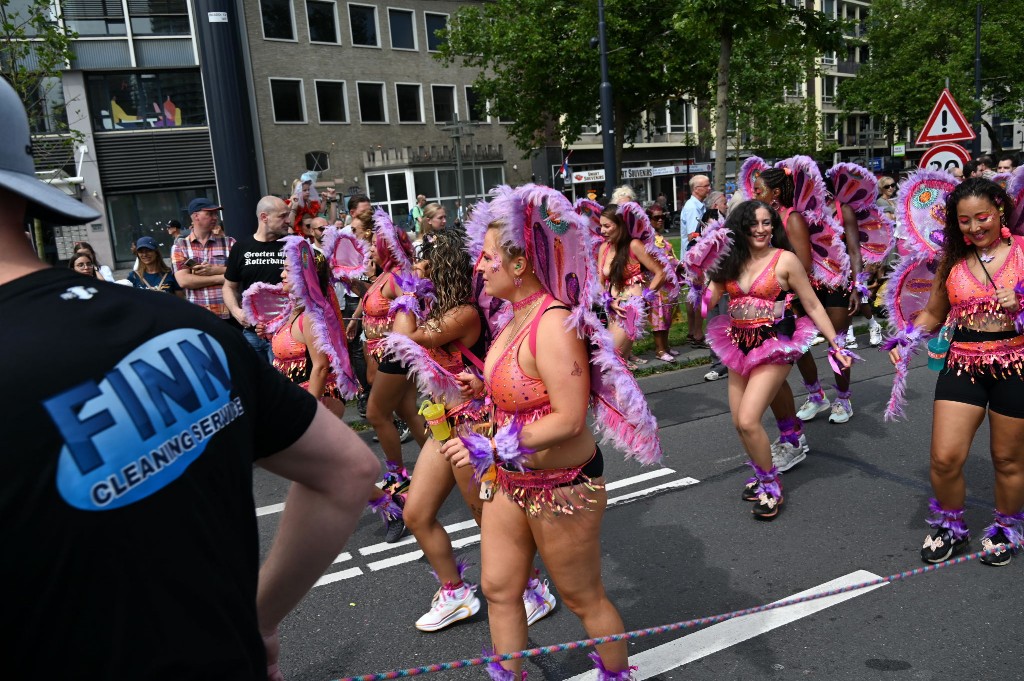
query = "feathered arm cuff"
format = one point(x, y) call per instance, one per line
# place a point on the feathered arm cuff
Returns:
point(833, 354)
point(861, 285)
point(417, 296)
point(407, 302)
point(909, 341)
point(504, 448)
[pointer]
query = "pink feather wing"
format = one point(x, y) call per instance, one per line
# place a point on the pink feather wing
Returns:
point(267, 304)
point(921, 210)
point(855, 186)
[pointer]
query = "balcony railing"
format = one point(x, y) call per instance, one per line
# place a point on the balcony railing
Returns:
point(433, 155)
point(848, 67)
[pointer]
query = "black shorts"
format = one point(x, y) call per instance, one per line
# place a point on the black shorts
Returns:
point(390, 366)
point(1001, 391)
point(833, 297)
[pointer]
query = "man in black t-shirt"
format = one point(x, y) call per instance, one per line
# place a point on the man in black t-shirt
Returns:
point(259, 258)
point(126, 505)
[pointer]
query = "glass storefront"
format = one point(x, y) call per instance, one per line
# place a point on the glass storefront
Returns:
point(146, 214)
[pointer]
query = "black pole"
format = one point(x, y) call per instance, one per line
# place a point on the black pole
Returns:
point(976, 146)
point(607, 120)
point(219, 29)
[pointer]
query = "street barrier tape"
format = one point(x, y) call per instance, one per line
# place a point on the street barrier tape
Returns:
point(665, 628)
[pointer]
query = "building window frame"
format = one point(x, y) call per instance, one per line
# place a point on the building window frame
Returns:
point(384, 101)
point(412, 28)
point(419, 95)
point(291, 13)
point(302, 99)
point(426, 28)
point(376, 26)
point(337, 23)
point(344, 101)
point(455, 100)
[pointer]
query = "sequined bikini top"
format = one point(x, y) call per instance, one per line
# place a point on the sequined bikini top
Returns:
point(761, 297)
point(972, 301)
point(377, 317)
point(632, 273)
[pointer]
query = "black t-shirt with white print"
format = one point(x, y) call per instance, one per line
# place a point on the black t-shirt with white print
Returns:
point(131, 423)
point(251, 261)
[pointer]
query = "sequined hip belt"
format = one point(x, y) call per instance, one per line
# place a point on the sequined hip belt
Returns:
point(557, 490)
point(999, 353)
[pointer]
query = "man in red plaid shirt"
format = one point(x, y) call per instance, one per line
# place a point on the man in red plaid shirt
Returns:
point(200, 258)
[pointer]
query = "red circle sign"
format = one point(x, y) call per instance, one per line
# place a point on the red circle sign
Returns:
point(944, 157)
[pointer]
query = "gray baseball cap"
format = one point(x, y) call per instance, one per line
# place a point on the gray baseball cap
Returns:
point(17, 169)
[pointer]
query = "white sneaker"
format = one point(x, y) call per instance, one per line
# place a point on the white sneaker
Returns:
point(804, 447)
point(875, 335)
point(851, 339)
point(810, 409)
point(818, 339)
point(714, 375)
point(448, 607)
point(785, 456)
point(538, 600)
point(841, 413)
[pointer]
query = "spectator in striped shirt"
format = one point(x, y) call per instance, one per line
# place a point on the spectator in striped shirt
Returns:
point(200, 258)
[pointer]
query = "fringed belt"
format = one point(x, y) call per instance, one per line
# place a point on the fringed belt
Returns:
point(558, 490)
point(999, 353)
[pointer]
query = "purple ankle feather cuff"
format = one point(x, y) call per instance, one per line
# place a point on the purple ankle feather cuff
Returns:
point(1011, 525)
point(952, 520)
point(604, 675)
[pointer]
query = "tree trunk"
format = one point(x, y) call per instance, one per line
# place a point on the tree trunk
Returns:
point(722, 108)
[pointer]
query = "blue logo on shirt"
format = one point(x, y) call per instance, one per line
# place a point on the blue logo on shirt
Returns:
point(138, 429)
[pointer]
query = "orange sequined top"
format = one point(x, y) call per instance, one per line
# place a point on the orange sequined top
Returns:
point(290, 359)
point(377, 317)
point(756, 307)
point(972, 302)
point(515, 394)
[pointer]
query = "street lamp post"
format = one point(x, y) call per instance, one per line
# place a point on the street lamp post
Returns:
point(607, 122)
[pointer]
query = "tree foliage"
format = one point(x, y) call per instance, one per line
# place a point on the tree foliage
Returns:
point(539, 71)
point(917, 44)
point(33, 52)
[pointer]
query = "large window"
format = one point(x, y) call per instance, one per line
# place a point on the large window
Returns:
point(476, 107)
point(158, 17)
point(409, 100)
point(47, 112)
point(435, 23)
point(363, 20)
point(444, 103)
point(403, 34)
point(146, 214)
point(278, 21)
point(331, 101)
point(323, 21)
point(372, 104)
point(288, 100)
point(395, 191)
point(137, 100)
point(95, 17)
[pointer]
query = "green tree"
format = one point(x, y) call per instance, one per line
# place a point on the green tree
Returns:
point(539, 71)
point(723, 27)
point(917, 44)
point(33, 52)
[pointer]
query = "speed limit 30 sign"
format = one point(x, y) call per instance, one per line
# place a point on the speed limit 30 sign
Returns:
point(945, 156)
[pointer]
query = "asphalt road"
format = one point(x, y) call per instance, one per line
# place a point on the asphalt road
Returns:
point(680, 544)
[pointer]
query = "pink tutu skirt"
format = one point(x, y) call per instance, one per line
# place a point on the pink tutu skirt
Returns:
point(743, 349)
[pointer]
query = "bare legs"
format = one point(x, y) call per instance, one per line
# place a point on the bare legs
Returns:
point(748, 399)
point(432, 482)
point(393, 394)
point(570, 547)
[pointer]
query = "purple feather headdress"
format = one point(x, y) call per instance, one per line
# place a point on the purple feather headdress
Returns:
point(384, 230)
point(639, 225)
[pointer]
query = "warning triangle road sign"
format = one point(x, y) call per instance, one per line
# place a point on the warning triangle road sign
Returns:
point(946, 123)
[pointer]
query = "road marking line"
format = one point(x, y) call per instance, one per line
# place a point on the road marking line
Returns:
point(713, 639)
point(342, 557)
point(684, 482)
point(338, 576)
point(267, 510)
point(636, 479)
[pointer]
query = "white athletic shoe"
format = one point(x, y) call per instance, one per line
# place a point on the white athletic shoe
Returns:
point(875, 334)
point(448, 607)
point(538, 600)
point(818, 339)
point(785, 456)
point(804, 447)
point(841, 413)
point(851, 339)
point(810, 409)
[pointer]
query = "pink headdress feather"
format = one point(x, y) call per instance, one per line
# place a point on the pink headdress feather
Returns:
point(347, 256)
point(398, 255)
point(749, 172)
point(324, 313)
